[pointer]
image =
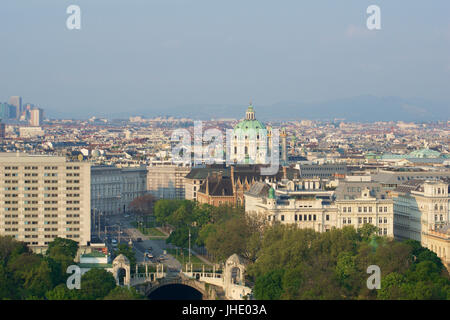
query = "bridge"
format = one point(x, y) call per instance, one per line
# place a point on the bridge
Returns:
point(213, 285)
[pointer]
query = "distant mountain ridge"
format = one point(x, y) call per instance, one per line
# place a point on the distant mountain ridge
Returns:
point(365, 108)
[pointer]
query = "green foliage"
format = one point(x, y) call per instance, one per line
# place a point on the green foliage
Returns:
point(61, 254)
point(269, 286)
point(332, 265)
point(96, 284)
point(62, 246)
point(124, 293)
point(61, 292)
point(367, 230)
point(180, 237)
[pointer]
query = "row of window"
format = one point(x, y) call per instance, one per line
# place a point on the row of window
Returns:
point(45, 202)
point(37, 181)
point(348, 220)
point(364, 209)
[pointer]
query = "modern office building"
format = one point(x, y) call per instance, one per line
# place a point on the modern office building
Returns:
point(113, 188)
point(44, 197)
point(7, 111)
point(16, 101)
point(2, 130)
point(36, 117)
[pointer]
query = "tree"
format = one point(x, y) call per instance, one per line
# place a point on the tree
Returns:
point(63, 246)
point(391, 286)
point(124, 293)
point(269, 286)
point(231, 237)
point(143, 205)
point(61, 292)
point(32, 273)
point(367, 230)
point(96, 284)
point(9, 248)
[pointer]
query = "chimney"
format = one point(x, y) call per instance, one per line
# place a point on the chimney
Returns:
point(284, 172)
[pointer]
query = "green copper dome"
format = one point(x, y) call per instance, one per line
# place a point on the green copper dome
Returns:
point(250, 124)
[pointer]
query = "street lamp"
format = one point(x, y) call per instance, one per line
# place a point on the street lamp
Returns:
point(189, 246)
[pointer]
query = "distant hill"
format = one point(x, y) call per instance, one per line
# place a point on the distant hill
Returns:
point(365, 108)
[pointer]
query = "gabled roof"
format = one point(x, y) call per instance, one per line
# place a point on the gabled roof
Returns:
point(259, 189)
point(217, 186)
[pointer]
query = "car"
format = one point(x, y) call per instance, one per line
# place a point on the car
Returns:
point(150, 249)
point(139, 239)
point(149, 255)
point(114, 242)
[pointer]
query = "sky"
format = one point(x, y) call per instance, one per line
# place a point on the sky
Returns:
point(142, 54)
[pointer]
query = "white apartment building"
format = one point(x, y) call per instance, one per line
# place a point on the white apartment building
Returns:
point(422, 213)
point(420, 206)
point(44, 197)
point(319, 209)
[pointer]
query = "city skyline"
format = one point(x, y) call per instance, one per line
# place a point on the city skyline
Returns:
point(148, 57)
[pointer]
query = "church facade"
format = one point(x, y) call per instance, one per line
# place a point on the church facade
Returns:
point(250, 141)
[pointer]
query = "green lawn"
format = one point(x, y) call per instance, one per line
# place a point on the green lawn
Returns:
point(184, 258)
point(148, 230)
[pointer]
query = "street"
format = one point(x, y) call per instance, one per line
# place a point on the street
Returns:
point(114, 223)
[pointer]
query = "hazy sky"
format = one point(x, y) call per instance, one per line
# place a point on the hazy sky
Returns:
point(138, 54)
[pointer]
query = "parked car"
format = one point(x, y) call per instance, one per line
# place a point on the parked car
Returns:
point(114, 242)
point(139, 239)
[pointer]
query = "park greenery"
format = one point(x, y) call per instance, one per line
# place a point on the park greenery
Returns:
point(286, 262)
point(25, 275)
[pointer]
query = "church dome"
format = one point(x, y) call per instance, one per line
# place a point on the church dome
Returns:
point(249, 124)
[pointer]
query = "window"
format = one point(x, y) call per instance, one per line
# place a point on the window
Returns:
point(328, 217)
